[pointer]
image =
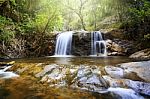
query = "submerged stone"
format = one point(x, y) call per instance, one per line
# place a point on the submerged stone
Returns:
point(47, 69)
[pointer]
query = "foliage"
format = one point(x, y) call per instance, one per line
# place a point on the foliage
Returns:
point(137, 23)
point(6, 29)
point(23, 18)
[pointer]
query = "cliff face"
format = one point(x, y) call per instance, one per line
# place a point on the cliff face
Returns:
point(81, 44)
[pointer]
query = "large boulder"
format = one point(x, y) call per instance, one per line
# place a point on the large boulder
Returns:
point(115, 72)
point(142, 55)
point(141, 69)
point(132, 70)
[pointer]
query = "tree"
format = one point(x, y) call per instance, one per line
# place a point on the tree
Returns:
point(78, 9)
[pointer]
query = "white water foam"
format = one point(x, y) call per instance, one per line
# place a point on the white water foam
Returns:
point(98, 45)
point(64, 43)
point(125, 93)
point(7, 74)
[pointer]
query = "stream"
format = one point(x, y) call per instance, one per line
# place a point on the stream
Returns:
point(79, 89)
point(73, 60)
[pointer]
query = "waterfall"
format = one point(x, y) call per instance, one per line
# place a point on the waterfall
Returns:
point(64, 43)
point(98, 46)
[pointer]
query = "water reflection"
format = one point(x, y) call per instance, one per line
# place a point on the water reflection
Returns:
point(72, 60)
point(61, 60)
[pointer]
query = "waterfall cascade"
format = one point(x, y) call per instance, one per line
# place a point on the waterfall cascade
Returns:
point(64, 43)
point(98, 46)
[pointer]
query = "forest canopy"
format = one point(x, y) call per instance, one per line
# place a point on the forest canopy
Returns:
point(26, 17)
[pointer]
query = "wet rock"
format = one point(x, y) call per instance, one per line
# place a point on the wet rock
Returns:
point(116, 47)
point(47, 69)
point(21, 70)
point(92, 83)
point(82, 72)
point(133, 70)
point(116, 54)
point(114, 82)
point(137, 86)
point(140, 69)
point(132, 75)
point(141, 55)
point(86, 79)
point(140, 87)
point(115, 72)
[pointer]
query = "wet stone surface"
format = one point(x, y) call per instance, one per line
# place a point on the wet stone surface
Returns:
point(133, 70)
point(83, 77)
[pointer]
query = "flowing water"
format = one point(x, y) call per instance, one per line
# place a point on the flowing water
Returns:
point(6, 74)
point(125, 93)
point(64, 43)
point(98, 46)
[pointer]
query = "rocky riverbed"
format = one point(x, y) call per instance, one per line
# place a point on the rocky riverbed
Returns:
point(126, 81)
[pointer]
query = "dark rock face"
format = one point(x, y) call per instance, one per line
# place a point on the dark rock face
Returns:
point(81, 46)
point(81, 43)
